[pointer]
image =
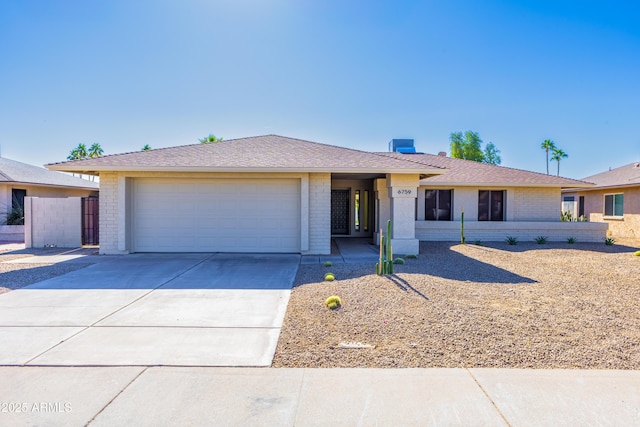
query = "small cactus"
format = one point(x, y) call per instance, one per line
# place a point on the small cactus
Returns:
point(398, 261)
point(329, 277)
point(333, 302)
point(328, 264)
point(636, 253)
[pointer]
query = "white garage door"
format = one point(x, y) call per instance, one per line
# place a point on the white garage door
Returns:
point(216, 215)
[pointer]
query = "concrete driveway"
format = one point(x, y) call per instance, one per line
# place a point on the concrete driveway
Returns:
point(149, 310)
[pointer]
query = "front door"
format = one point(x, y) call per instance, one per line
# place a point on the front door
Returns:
point(340, 211)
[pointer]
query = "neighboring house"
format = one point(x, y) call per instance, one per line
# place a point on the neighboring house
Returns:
point(615, 199)
point(278, 194)
point(19, 180)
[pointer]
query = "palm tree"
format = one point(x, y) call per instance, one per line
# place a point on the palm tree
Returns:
point(547, 145)
point(146, 147)
point(210, 138)
point(557, 155)
point(95, 150)
point(80, 152)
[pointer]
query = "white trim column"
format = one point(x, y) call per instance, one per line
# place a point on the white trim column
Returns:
point(403, 191)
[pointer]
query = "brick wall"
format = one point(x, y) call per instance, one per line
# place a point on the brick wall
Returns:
point(319, 213)
point(536, 204)
point(524, 231)
point(53, 221)
point(108, 213)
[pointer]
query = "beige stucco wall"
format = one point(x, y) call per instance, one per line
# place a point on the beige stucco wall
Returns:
point(629, 224)
point(115, 211)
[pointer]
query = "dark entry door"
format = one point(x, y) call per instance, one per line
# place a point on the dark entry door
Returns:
point(339, 211)
point(90, 221)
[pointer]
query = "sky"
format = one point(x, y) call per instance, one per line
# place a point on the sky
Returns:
point(356, 73)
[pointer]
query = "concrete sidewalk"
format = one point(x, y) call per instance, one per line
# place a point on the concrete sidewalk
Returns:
point(157, 396)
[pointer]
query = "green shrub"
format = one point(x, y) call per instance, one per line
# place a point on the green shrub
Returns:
point(541, 240)
point(333, 302)
point(478, 243)
point(512, 240)
point(609, 241)
point(411, 256)
point(398, 261)
point(329, 277)
point(328, 264)
point(571, 240)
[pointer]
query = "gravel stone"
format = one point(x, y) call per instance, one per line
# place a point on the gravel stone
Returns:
point(496, 306)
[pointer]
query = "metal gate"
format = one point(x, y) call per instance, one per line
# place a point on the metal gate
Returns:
point(90, 221)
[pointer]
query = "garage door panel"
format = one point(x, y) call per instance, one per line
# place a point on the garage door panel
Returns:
point(216, 215)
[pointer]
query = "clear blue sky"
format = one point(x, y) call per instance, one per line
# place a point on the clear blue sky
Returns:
point(126, 73)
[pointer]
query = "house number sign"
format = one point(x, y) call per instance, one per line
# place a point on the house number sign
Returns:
point(409, 192)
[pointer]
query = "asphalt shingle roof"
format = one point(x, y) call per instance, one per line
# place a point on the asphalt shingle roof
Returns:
point(470, 173)
point(278, 153)
point(623, 176)
point(260, 153)
point(13, 171)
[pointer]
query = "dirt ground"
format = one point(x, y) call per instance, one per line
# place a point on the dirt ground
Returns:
point(523, 306)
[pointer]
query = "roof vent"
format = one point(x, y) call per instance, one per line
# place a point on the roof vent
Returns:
point(404, 146)
point(442, 154)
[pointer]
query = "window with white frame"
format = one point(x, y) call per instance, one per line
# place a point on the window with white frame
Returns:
point(613, 204)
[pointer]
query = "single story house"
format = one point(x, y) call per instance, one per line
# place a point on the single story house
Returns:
point(19, 180)
point(615, 199)
point(277, 194)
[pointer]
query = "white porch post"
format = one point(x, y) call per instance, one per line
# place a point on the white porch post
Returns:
point(403, 190)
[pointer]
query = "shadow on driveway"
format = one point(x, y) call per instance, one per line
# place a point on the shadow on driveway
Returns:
point(172, 271)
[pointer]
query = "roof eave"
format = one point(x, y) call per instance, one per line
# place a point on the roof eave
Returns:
point(40, 184)
point(595, 187)
point(501, 184)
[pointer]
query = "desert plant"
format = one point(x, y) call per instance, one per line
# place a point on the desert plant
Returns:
point(582, 218)
point(566, 216)
point(398, 261)
point(385, 262)
point(463, 239)
point(571, 240)
point(541, 240)
point(15, 216)
point(328, 264)
point(636, 253)
point(478, 243)
point(411, 256)
point(609, 241)
point(333, 302)
point(329, 277)
point(512, 240)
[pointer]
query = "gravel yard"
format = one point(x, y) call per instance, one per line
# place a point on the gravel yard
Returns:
point(523, 306)
point(16, 276)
